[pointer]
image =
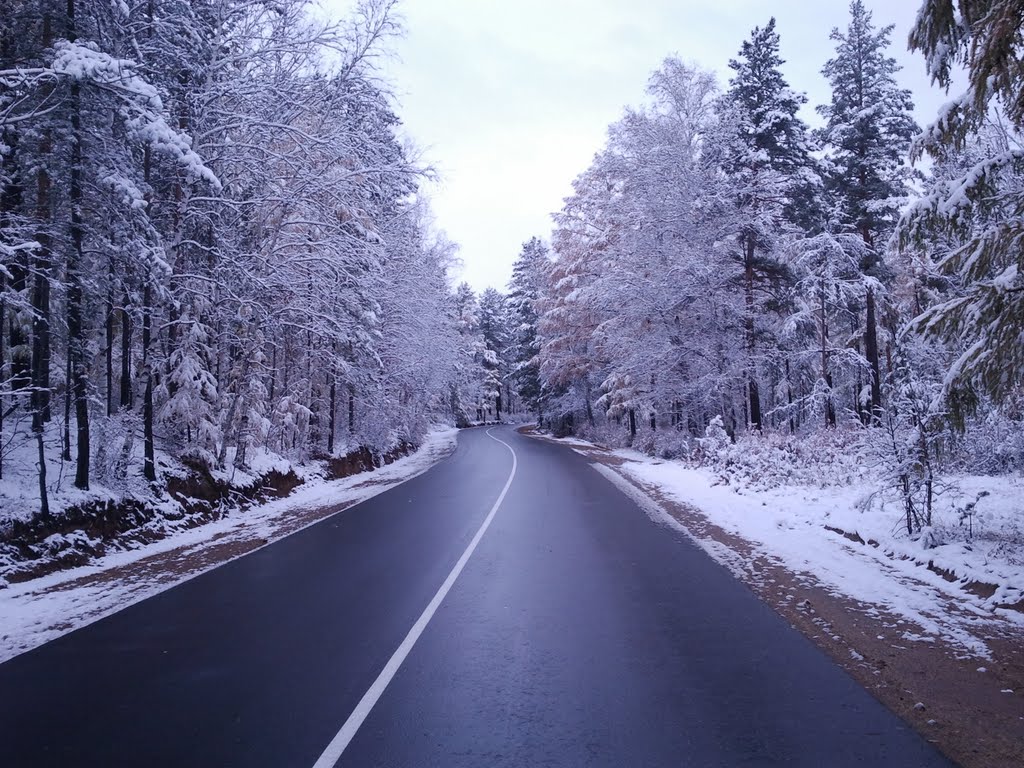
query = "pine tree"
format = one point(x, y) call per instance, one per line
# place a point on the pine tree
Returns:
point(772, 172)
point(975, 215)
point(773, 135)
point(467, 389)
point(495, 337)
point(524, 294)
point(868, 132)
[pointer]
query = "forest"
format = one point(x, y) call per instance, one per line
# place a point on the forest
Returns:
point(724, 274)
point(215, 258)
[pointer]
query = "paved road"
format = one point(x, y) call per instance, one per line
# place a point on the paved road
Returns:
point(579, 633)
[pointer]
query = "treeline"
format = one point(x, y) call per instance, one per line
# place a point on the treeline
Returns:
point(719, 258)
point(210, 241)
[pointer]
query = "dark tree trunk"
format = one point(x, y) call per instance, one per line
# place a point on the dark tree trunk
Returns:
point(830, 411)
point(871, 352)
point(332, 415)
point(351, 410)
point(755, 403)
point(126, 356)
point(273, 373)
point(41, 306)
point(40, 359)
point(109, 350)
point(148, 440)
point(632, 425)
point(285, 371)
point(149, 450)
point(41, 301)
point(789, 399)
point(754, 395)
point(66, 441)
point(40, 379)
point(76, 265)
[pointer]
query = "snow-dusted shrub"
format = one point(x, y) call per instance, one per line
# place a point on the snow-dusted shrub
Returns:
point(910, 444)
point(714, 446)
point(994, 444)
point(672, 444)
point(772, 459)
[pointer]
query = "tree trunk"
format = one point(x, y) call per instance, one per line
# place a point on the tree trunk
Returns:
point(273, 373)
point(789, 399)
point(830, 411)
point(126, 356)
point(76, 331)
point(66, 440)
point(871, 352)
point(755, 403)
point(351, 410)
point(908, 504)
point(754, 395)
point(41, 298)
point(40, 370)
point(108, 328)
point(149, 449)
point(332, 414)
point(40, 359)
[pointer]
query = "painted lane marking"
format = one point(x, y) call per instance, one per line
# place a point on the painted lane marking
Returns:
point(340, 742)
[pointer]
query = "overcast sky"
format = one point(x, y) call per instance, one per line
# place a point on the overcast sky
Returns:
point(510, 99)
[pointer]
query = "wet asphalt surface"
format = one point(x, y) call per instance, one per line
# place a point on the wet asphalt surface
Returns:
point(580, 633)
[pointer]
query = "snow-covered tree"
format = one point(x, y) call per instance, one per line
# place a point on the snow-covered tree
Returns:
point(209, 235)
point(974, 213)
point(770, 167)
point(830, 285)
point(637, 309)
point(522, 301)
point(494, 332)
point(868, 130)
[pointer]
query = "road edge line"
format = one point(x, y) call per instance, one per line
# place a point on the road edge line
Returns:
point(330, 756)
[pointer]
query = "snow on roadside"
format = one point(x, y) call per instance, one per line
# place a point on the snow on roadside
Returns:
point(40, 610)
point(788, 525)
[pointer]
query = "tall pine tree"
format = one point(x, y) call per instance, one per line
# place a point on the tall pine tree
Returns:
point(977, 213)
point(868, 131)
point(524, 292)
point(771, 167)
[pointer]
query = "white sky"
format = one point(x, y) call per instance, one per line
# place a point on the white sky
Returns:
point(510, 99)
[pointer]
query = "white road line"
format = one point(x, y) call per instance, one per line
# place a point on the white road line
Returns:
point(340, 742)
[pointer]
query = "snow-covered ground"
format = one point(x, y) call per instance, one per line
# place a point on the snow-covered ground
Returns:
point(39, 610)
point(791, 524)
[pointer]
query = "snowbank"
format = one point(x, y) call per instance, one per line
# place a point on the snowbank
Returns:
point(861, 550)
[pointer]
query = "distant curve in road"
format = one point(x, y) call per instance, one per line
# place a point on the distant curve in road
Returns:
point(576, 632)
